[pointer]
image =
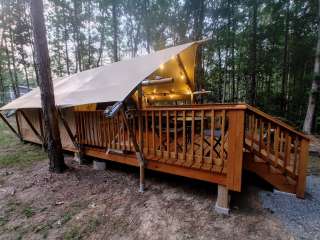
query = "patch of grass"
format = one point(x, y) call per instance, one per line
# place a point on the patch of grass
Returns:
point(15, 153)
point(28, 212)
point(73, 234)
point(3, 221)
point(66, 217)
point(93, 224)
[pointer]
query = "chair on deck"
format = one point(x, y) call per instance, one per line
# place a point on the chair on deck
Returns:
point(217, 137)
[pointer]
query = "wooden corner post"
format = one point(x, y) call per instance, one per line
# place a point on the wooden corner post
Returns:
point(302, 168)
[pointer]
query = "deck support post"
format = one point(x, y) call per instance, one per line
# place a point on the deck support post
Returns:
point(138, 150)
point(223, 199)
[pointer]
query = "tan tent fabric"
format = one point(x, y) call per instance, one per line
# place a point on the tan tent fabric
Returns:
point(110, 83)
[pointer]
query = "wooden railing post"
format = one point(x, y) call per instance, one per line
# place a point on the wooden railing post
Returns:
point(302, 168)
point(235, 149)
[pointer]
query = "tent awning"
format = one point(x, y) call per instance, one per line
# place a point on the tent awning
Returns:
point(109, 83)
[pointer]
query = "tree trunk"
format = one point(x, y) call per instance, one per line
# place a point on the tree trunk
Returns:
point(66, 36)
point(146, 4)
point(253, 74)
point(50, 114)
point(314, 93)
point(115, 31)
point(198, 16)
point(13, 83)
point(14, 63)
point(285, 62)
point(76, 35)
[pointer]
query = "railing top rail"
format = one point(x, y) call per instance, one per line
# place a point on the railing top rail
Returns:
point(197, 107)
point(276, 121)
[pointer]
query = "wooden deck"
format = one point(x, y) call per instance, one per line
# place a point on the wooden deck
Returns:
point(213, 142)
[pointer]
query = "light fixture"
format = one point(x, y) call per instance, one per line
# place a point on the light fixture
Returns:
point(173, 57)
point(152, 97)
point(161, 66)
point(171, 96)
point(182, 76)
point(154, 90)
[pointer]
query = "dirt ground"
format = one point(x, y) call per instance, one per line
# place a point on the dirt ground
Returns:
point(87, 204)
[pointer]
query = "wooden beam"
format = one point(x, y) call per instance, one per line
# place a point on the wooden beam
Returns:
point(31, 125)
point(302, 168)
point(66, 126)
point(18, 125)
point(184, 71)
point(9, 125)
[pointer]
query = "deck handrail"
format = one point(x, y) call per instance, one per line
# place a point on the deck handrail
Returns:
point(276, 121)
point(280, 147)
point(191, 107)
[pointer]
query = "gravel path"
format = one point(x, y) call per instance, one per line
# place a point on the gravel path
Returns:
point(301, 217)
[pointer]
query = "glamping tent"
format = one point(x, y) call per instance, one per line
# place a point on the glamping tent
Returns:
point(141, 112)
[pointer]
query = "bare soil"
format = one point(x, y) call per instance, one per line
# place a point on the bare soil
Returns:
point(84, 203)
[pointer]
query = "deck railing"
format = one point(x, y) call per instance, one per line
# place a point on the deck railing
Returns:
point(202, 137)
point(283, 148)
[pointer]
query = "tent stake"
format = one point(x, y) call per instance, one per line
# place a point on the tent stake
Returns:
point(139, 153)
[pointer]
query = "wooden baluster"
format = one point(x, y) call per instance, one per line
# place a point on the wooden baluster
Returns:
point(287, 150)
point(147, 132)
point(222, 136)
point(108, 121)
point(281, 143)
point(184, 135)
point(127, 138)
point(122, 133)
point(92, 132)
point(192, 136)
point(113, 137)
point(201, 137)
point(88, 118)
point(95, 132)
point(175, 134)
point(134, 126)
point(168, 134)
point(254, 120)
point(261, 135)
point(276, 145)
point(296, 147)
point(268, 141)
point(212, 138)
point(83, 130)
point(153, 134)
point(119, 132)
point(79, 135)
point(160, 133)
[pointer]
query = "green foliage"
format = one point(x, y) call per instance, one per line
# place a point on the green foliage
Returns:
point(28, 211)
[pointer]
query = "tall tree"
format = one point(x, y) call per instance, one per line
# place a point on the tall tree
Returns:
point(253, 62)
point(314, 93)
point(115, 54)
point(50, 113)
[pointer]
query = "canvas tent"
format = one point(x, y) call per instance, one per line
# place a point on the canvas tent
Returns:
point(115, 82)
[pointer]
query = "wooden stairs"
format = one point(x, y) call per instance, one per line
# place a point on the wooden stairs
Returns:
point(275, 151)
